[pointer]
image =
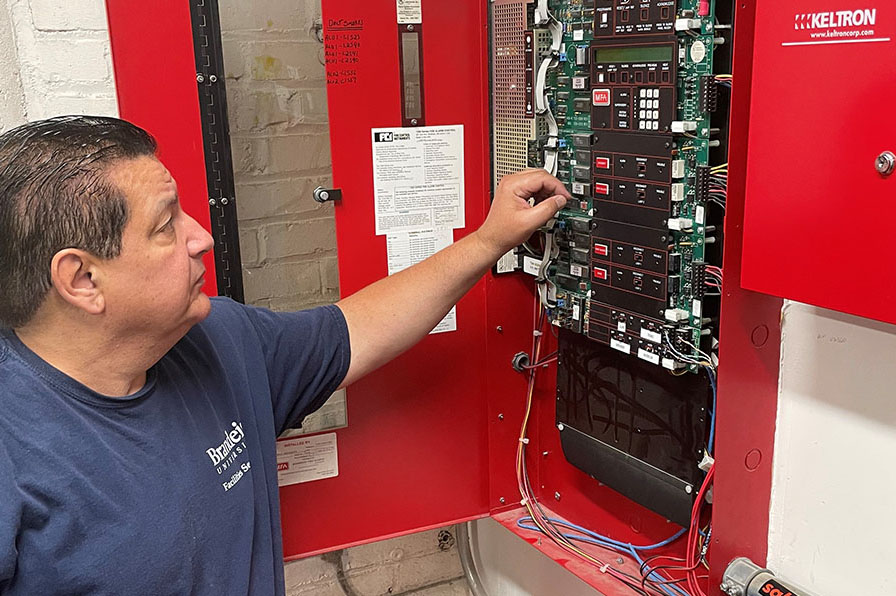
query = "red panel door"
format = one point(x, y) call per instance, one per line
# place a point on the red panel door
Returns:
point(415, 452)
point(819, 217)
point(155, 78)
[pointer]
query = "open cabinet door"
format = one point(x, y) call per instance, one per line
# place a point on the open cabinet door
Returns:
point(415, 452)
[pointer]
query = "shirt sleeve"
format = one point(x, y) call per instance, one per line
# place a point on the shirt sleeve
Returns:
point(307, 354)
point(10, 520)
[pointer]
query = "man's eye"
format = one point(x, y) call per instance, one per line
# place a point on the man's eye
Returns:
point(169, 225)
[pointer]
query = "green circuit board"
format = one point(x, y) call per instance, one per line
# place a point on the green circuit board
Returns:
point(571, 104)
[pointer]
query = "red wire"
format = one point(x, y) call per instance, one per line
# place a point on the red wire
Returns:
point(694, 533)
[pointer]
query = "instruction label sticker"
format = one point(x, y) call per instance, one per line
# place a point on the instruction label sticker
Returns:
point(307, 459)
point(418, 178)
point(404, 249)
point(409, 11)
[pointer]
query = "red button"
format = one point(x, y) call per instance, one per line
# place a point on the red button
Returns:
point(601, 249)
point(600, 97)
point(602, 163)
point(600, 273)
point(601, 189)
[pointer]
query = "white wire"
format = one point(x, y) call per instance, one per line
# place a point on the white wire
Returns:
point(542, 106)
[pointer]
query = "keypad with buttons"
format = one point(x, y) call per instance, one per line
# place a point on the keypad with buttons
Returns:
point(647, 108)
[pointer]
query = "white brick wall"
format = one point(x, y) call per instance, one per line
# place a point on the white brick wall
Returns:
point(64, 57)
point(12, 99)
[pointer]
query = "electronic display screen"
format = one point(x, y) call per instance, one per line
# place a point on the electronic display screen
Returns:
point(661, 53)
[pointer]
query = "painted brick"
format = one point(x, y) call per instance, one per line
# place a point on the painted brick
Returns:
point(250, 155)
point(70, 60)
point(232, 50)
point(281, 240)
point(52, 15)
point(314, 104)
point(267, 15)
point(51, 104)
point(329, 275)
point(249, 246)
point(258, 200)
point(298, 152)
point(282, 279)
point(312, 570)
point(283, 60)
point(457, 587)
point(12, 98)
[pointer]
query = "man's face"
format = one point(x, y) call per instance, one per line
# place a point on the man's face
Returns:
point(155, 285)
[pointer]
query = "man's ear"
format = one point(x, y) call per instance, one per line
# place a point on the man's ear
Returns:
point(74, 275)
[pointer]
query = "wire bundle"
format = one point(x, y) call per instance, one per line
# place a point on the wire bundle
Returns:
point(653, 580)
point(718, 185)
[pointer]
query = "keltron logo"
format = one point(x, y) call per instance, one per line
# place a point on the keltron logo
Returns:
point(866, 17)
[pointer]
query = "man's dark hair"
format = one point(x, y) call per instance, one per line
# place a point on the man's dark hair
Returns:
point(55, 194)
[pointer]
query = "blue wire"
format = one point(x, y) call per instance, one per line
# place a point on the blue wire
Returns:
point(712, 421)
point(621, 547)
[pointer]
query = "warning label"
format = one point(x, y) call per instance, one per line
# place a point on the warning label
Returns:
point(307, 459)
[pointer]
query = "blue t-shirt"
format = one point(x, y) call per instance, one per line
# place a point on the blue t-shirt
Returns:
point(172, 490)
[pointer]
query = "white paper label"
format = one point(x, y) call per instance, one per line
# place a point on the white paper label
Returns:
point(578, 188)
point(418, 178)
point(621, 327)
point(648, 356)
point(404, 249)
point(576, 311)
point(507, 263)
point(699, 214)
point(531, 265)
point(409, 11)
point(651, 336)
point(576, 270)
point(306, 459)
point(696, 308)
point(621, 346)
point(332, 415)
point(698, 52)
point(578, 35)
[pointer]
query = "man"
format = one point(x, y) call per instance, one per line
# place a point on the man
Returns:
point(137, 416)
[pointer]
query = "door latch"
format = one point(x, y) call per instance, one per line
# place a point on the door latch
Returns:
point(322, 195)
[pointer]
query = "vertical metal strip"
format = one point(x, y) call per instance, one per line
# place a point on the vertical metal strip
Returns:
point(216, 144)
point(413, 112)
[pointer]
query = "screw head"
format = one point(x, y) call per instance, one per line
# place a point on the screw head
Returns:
point(501, 500)
point(557, 496)
point(500, 416)
point(410, 27)
point(200, 78)
point(688, 489)
point(885, 163)
point(414, 121)
point(499, 329)
point(212, 202)
point(213, 78)
point(224, 200)
point(324, 195)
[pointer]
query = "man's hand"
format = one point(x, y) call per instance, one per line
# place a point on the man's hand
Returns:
point(393, 314)
point(511, 219)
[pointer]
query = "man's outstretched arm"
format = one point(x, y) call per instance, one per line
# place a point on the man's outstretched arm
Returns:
point(391, 315)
